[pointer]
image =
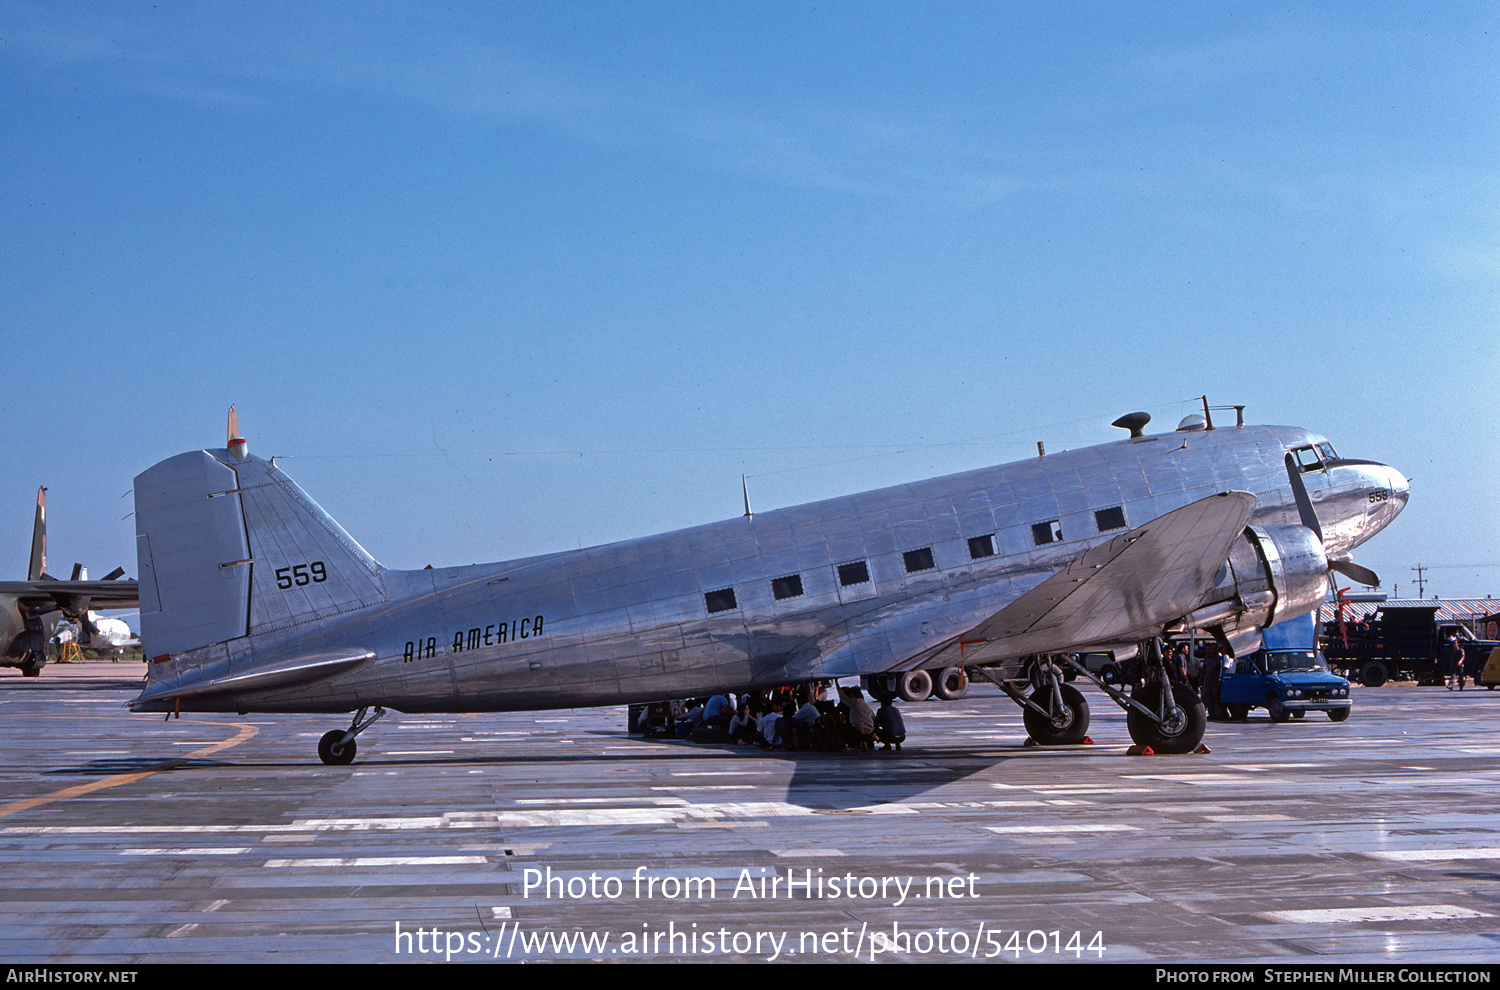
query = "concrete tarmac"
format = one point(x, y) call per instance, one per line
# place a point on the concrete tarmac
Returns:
point(478, 838)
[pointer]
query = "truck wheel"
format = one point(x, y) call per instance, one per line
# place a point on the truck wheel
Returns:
point(1068, 727)
point(1338, 714)
point(1182, 735)
point(1238, 712)
point(915, 685)
point(1373, 674)
point(950, 684)
point(1299, 714)
point(1277, 709)
point(1110, 674)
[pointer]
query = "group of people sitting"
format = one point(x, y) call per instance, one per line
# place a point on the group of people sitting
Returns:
point(801, 718)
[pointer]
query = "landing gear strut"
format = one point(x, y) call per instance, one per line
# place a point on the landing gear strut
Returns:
point(1055, 713)
point(337, 747)
point(1163, 714)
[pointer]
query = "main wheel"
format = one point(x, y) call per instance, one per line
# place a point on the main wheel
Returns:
point(1067, 727)
point(333, 751)
point(1180, 734)
point(882, 687)
point(915, 685)
point(951, 684)
point(1277, 709)
point(1338, 714)
point(1373, 674)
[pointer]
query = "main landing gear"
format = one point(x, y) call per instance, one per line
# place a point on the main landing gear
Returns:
point(1162, 714)
point(337, 747)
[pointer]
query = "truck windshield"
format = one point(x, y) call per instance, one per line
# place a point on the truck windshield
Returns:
point(1279, 663)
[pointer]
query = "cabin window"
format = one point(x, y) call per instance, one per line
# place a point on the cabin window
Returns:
point(981, 546)
point(1107, 519)
point(720, 601)
point(855, 573)
point(787, 587)
point(1047, 532)
point(918, 560)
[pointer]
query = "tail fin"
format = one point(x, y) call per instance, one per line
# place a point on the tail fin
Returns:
point(228, 546)
point(38, 565)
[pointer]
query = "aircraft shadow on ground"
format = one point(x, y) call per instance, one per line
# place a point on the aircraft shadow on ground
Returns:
point(820, 782)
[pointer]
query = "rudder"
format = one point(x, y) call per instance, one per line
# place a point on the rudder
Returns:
point(229, 548)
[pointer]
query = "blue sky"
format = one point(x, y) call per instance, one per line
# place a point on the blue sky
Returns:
point(504, 279)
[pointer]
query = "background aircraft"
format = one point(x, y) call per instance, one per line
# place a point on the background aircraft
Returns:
point(254, 599)
point(30, 609)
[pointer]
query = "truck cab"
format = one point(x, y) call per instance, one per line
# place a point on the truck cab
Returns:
point(1287, 683)
point(1287, 677)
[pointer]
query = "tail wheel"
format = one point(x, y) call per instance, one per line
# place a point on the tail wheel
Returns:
point(951, 684)
point(333, 751)
point(1067, 726)
point(1180, 733)
point(915, 685)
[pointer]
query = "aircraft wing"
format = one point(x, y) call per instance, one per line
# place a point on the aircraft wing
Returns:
point(1118, 591)
point(97, 595)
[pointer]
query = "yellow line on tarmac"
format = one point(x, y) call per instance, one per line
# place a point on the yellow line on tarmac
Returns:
point(246, 732)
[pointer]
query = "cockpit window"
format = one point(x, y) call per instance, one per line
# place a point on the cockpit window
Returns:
point(1326, 449)
point(1307, 458)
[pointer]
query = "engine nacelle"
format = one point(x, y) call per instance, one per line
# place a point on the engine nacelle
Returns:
point(1272, 574)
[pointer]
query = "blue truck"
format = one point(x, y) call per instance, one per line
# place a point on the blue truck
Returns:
point(1287, 676)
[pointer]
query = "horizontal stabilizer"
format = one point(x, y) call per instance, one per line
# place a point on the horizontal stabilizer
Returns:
point(217, 678)
point(1118, 591)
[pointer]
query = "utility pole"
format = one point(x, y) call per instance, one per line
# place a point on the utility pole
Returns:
point(1421, 584)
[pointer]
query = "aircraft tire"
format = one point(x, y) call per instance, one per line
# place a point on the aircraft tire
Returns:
point(950, 684)
point(914, 685)
point(1238, 713)
point(1183, 737)
point(882, 687)
point(1373, 674)
point(1278, 710)
point(1076, 723)
point(31, 670)
point(1338, 714)
point(332, 753)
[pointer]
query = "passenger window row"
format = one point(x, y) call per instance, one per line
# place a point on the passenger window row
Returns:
point(858, 571)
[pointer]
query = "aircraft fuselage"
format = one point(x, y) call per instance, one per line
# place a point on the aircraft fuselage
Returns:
point(856, 585)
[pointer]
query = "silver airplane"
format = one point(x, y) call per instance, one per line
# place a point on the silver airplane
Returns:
point(254, 600)
point(30, 609)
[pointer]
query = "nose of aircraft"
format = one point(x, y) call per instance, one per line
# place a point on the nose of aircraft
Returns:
point(1388, 491)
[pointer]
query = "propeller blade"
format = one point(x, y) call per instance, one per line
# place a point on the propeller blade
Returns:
point(1304, 503)
point(112, 575)
point(1354, 571)
point(78, 572)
